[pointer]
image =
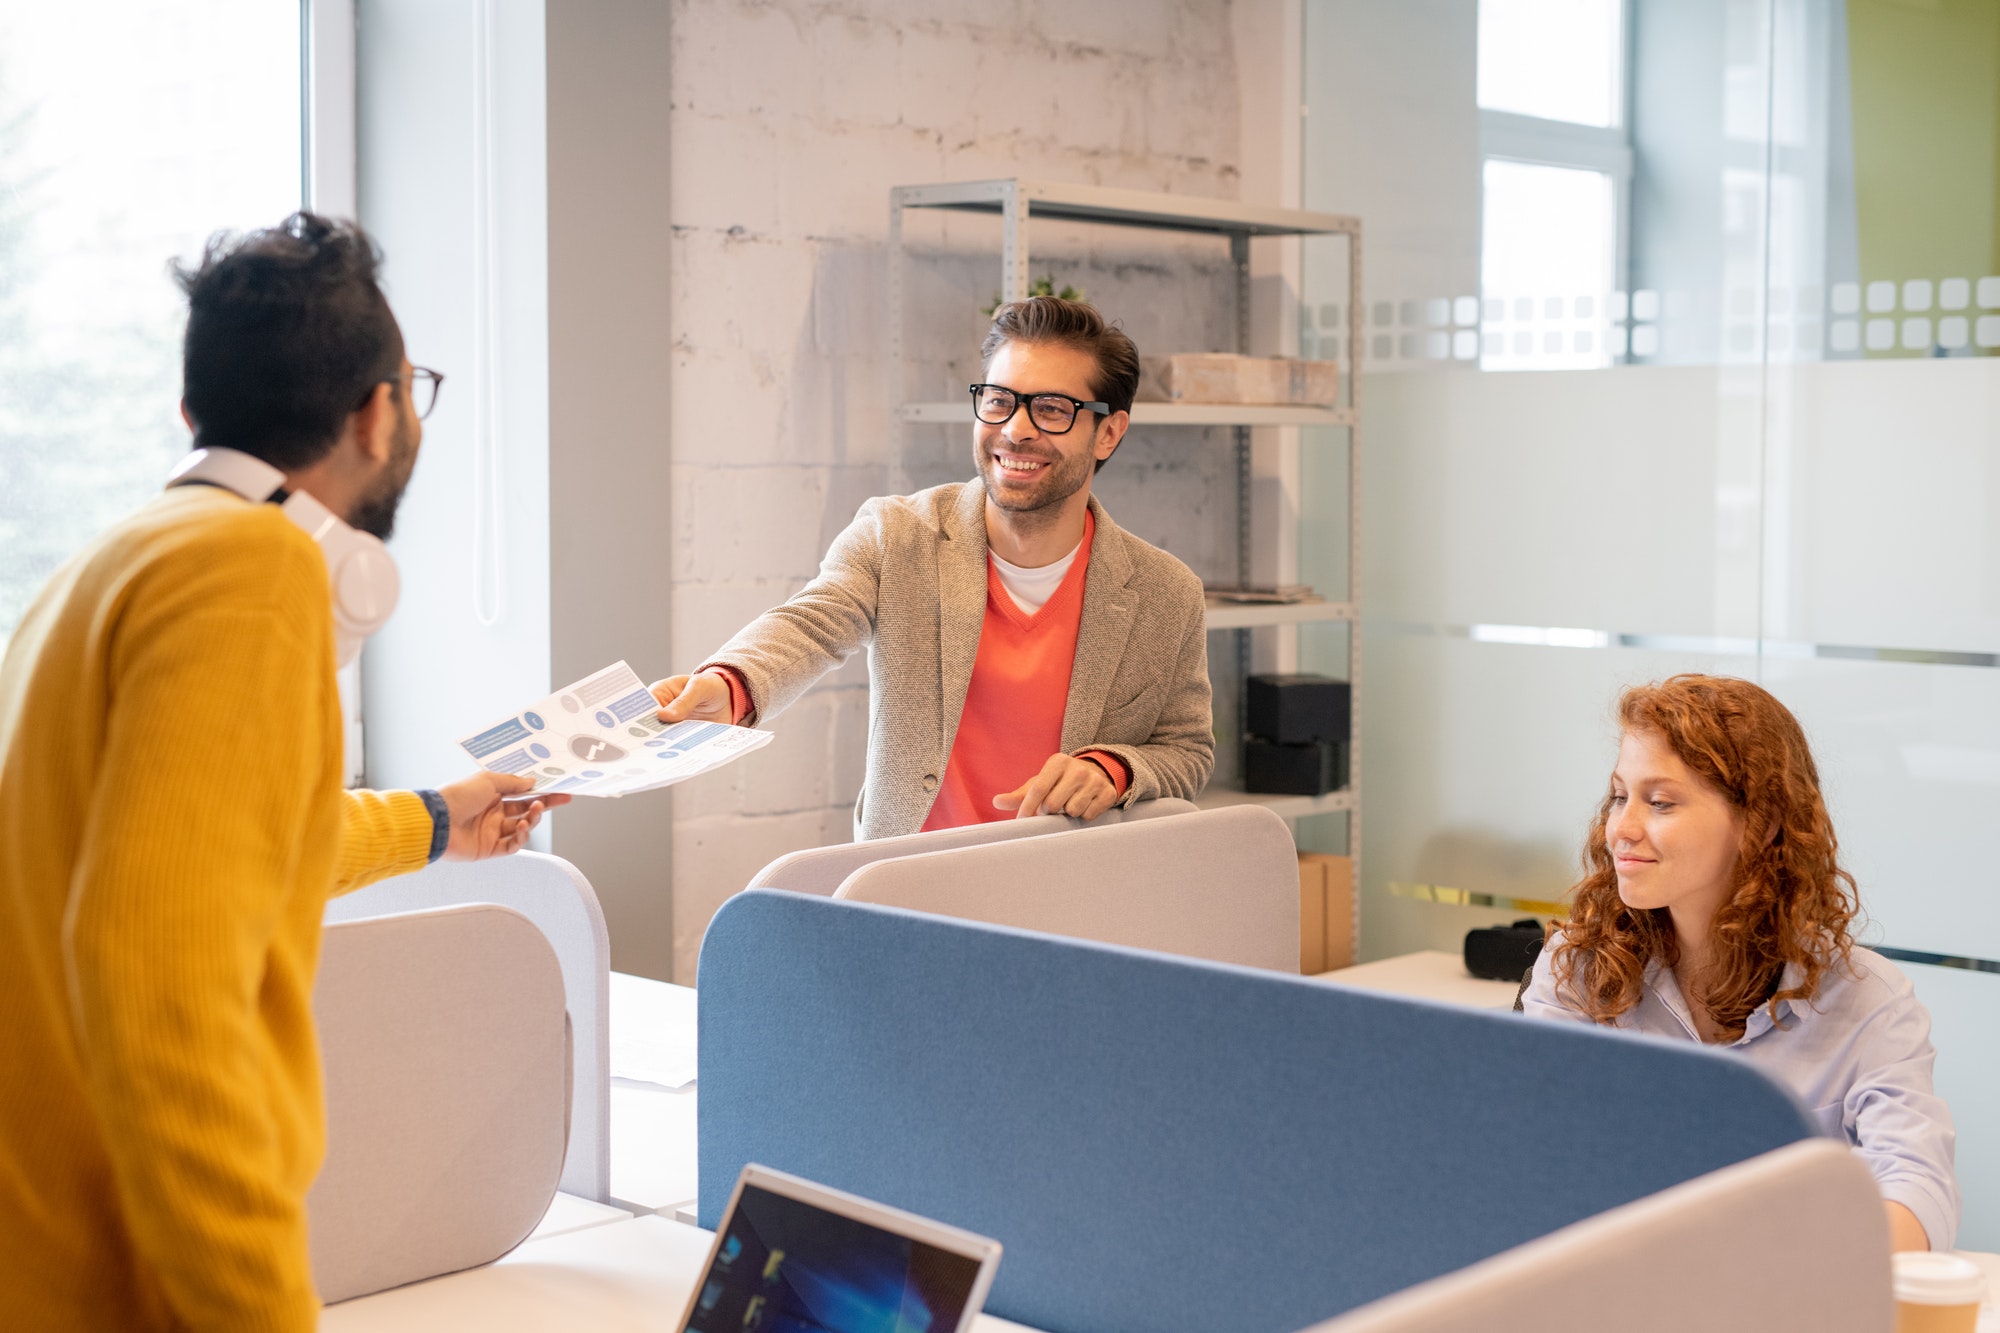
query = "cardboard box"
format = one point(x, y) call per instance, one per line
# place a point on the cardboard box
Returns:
point(1223, 377)
point(1326, 912)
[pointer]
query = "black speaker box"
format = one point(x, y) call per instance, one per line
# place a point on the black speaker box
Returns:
point(1503, 953)
point(1312, 769)
point(1297, 709)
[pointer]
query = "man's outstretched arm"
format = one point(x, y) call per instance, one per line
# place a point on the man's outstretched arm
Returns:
point(780, 654)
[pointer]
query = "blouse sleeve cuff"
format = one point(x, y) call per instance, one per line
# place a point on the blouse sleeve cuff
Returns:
point(1939, 1222)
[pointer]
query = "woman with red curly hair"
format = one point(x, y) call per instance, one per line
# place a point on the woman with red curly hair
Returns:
point(1714, 909)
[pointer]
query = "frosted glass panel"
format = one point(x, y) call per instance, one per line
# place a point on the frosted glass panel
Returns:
point(1883, 504)
point(1787, 467)
point(1620, 501)
point(1910, 758)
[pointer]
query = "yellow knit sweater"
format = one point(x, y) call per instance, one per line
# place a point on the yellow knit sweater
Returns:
point(171, 825)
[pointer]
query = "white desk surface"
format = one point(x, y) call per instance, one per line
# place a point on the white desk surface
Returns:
point(569, 1212)
point(1431, 975)
point(652, 1126)
point(630, 1275)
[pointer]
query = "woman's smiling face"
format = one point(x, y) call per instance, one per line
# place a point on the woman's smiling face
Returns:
point(1673, 837)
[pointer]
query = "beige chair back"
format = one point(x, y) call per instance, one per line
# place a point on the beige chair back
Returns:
point(1794, 1241)
point(447, 1066)
point(1216, 884)
point(553, 894)
point(820, 870)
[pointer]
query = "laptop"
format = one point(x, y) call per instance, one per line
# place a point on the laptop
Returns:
point(795, 1257)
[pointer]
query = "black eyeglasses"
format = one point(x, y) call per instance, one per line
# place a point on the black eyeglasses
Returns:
point(424, 386)
point(1055, 413)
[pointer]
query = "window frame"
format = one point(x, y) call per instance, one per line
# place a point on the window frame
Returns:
point(327, 170)
point(1510, 136)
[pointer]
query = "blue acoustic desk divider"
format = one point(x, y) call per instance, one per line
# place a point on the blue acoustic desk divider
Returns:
point(1168, 1144)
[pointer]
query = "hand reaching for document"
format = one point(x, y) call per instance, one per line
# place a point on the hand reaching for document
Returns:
point(492, 814)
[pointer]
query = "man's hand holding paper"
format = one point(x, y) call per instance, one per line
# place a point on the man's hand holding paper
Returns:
point(604, 736)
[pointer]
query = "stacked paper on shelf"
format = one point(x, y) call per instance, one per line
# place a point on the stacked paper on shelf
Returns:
point(1221, 377)
point(1275, 594)
point(602, 737)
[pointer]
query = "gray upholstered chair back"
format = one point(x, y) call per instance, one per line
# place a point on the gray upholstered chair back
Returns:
point(820, 870)
point(553, 894)
point(447, 1060)
point(1215, 884)
point(1793, 1240)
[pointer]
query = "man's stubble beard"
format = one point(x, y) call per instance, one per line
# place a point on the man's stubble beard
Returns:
point(376, 513)
point(1064, 478)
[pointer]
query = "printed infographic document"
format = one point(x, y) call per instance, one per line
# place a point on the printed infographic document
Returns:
point(601, 737)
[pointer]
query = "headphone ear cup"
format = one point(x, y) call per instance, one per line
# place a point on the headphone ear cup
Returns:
point(361, 574)
point(365, 584)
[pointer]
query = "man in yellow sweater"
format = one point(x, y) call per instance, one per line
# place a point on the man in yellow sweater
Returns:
point(172, 823)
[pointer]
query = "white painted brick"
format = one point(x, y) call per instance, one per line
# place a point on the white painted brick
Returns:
point(1151, 30)
point(736, 524)
point(746, 61)
point(706, 614)
point(856, 69)
point(710, 187)
point(850, 743)
point(715, 857)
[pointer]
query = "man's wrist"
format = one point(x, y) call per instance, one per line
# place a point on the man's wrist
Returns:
point(739, 691)
point(440, 821)
point(1112, 766)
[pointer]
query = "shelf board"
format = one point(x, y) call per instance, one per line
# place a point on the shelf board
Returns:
point(959, 412)
point(1255, 615)
point(1285, 807)
point(1125, 208)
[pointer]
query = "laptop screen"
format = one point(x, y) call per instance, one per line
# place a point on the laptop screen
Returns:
point(783, 1265)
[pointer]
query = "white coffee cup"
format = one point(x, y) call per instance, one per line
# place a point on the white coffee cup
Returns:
point(1937, 1293)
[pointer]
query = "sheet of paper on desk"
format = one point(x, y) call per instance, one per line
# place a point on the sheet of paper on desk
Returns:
point(652, 1031)
point(601, 737)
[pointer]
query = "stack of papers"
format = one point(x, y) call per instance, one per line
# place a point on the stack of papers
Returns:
point(602, 737)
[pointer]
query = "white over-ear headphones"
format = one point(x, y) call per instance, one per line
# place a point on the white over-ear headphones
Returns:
point(359, 567)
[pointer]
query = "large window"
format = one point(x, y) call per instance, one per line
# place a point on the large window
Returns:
point(130, 130)
point(1556, 177)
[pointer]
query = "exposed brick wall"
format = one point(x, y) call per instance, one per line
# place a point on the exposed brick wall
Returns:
point(791, 121)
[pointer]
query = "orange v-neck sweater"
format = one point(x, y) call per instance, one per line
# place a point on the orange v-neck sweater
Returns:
point(1013, 716)
point(1014, 705)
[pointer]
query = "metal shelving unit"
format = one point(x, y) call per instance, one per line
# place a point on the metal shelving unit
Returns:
point(1018, 201)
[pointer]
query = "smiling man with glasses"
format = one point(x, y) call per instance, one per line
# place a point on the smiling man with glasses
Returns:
point(1026, 654)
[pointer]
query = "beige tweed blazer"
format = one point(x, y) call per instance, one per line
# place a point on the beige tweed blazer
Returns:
point(907, 581)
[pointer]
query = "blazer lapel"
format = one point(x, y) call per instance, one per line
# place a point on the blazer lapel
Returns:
point(961, 606)
point(1108, 607)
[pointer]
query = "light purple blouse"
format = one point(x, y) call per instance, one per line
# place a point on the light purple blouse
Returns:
point(1858, 1056)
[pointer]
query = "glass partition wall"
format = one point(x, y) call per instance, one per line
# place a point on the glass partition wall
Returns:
point(1683, 352)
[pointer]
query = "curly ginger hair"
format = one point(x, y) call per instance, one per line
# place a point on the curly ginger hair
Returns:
point(1791, 902)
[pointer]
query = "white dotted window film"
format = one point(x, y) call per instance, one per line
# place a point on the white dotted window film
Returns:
point(1548, 247)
